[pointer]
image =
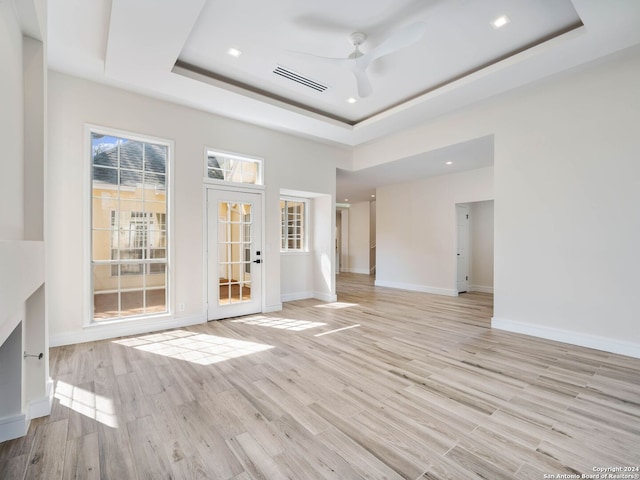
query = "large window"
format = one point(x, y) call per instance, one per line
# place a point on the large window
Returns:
point(293, 232)
point(129, 235)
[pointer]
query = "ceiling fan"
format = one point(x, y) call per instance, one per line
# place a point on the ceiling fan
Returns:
point(358, 62)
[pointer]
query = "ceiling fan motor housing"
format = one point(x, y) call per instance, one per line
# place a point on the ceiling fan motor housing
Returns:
point(357, 38)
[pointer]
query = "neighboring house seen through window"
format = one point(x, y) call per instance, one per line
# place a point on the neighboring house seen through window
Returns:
point(129, 235)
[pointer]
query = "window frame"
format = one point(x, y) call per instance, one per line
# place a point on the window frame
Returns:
point(90, 320)
point(305, 225)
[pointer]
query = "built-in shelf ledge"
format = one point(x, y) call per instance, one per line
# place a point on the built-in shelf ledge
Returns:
point(21, 274)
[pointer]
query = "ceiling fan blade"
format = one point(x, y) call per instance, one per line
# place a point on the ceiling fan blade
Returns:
point(364, 85)
point(358, 63)
point(396, 41)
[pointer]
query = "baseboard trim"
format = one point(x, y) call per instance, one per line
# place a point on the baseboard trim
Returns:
point(361, 271)
point(95, 332)
point(610, 345)
point(291, 297)
point(272, 308)
point(17, 426)
point(325, 297)
point(42, 406)
point(480, 288)
point(417, 288)
point(12, 427)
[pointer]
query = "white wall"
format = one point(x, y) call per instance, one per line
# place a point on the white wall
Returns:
point(36, 330)
point(12, 178)
point(296, 276)
point(416, 229)
point(12, 306)
point(324, 265)
point(567, 196)
point(481, 243)
point(299, 278)
point(11, 125)
point(10, 396)
point(290, 163)
point(359, 246)
point(35, 80)
point(22, 311)
point(567, 190)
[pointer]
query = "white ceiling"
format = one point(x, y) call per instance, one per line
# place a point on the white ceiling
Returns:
point(176, 50)
point(458, 39)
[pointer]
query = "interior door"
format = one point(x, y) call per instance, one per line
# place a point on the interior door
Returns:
point(462, 214)
point(235, 254)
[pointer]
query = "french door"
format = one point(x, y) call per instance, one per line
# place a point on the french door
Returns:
point(235, 254)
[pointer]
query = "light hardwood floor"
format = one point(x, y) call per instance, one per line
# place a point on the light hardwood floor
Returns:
point(384, 384)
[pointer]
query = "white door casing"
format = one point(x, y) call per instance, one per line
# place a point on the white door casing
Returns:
point(235, 253)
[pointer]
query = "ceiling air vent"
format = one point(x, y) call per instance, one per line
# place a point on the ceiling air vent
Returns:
point(302, 80)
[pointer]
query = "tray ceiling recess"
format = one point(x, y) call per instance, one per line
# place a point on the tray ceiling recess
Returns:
point(411, 48)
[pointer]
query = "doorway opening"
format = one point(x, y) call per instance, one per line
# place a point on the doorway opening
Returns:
point(474, 246)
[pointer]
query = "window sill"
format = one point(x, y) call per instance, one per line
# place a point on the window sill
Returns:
point(129, 320)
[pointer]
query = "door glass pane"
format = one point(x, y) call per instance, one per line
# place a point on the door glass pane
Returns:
point(234, 252)
point(235, 290)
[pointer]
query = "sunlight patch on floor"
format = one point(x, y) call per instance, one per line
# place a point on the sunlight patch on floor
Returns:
point(87, 403)
point(199, 348)
point(281, 323)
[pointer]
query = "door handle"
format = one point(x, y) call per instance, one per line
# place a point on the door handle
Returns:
point(257, 261)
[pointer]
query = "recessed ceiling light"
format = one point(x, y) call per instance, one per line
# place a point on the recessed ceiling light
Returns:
point(234, 52)
point(373, 196)
point(351, 100)
point(346, 199)
point(501, 21)
point(449, 163)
